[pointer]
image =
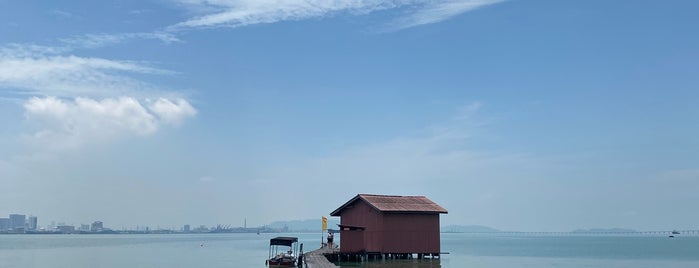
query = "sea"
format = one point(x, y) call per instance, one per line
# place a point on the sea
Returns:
point(251, 250)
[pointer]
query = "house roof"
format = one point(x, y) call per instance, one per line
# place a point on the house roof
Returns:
point(283, 241)
point(395, 204)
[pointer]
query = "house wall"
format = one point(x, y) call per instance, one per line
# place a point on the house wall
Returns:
point(410, 233)
point(352, 241)
point(361, 214)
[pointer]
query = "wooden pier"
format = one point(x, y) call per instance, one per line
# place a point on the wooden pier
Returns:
point(317, 259)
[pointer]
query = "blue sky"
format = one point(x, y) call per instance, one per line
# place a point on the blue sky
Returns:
point(520, 115)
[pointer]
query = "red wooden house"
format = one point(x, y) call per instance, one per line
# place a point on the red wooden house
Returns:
point(387, 224)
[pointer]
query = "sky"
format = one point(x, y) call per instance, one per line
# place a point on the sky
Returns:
point(524, 115)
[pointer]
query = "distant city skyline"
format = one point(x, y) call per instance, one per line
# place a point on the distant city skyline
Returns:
point(517, 115)
point(306, 225)
point(20, 224)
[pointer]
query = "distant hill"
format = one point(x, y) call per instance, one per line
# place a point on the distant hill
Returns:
point(604, 230)
point(468, 229)
point(304, 226)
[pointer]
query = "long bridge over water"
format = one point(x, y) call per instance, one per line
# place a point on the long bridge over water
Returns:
point(672, 232)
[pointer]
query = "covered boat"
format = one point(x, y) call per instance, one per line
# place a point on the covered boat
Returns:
point(283, 252)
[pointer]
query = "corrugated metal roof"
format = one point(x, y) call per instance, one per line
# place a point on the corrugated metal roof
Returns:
point(396, 203)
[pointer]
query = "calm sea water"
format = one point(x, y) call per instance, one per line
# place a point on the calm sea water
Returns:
point(250, 250)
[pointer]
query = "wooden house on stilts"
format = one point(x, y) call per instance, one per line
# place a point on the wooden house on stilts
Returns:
point(388, 226)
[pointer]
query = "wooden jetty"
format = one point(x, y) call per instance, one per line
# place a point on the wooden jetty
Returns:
point(317, 259)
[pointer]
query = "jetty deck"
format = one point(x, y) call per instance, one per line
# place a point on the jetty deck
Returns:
point(316, 258)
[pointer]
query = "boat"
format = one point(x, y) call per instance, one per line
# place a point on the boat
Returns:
point(283, 252)
point(675, 232)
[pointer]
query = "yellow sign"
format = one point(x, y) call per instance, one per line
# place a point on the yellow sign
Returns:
point(325, 223)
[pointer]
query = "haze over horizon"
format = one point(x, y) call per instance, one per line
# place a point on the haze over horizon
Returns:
point(516, 115)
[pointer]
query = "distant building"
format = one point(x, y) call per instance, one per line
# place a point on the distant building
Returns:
point(85, 227)
point(186, 228)
point(66, 229)
point(97, 226)
point(386, 224)
point(17, 222)
point(4, 224)
point(32, 223)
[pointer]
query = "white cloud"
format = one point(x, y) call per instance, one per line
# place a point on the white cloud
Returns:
point(436, 11)
point(62, 14)
point(59, 123)
point(101, 40)
point(245, 12)
point(138, 11)
point(15, 50)
point(40, 71)
point(236, 13)
point(172, 112)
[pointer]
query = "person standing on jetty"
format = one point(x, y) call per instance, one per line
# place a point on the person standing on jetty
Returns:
point(330, 239)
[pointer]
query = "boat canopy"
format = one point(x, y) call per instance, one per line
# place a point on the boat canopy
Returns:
point(283, 241)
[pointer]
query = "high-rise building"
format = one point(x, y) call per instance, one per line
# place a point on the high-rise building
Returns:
point(4, 224)
point(17, 222)
point(32, 223)
point(186, 228)
point(96, 226)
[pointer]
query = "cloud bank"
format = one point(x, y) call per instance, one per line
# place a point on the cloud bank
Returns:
point(59, 123)
point(86, 99)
